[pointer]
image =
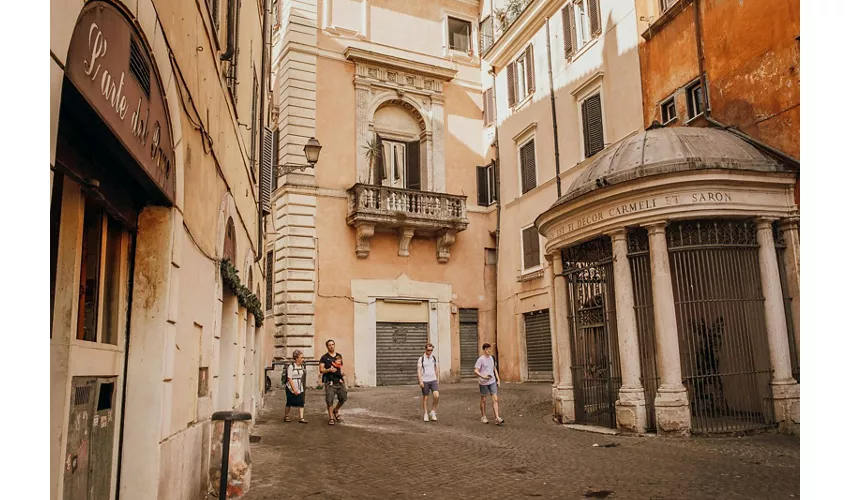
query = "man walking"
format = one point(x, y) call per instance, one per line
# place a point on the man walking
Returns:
point(429, 381)
point(333, 377)
point(488, 382)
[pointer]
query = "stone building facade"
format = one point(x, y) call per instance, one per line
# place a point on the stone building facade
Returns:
point(156, 109)
point(591, 223)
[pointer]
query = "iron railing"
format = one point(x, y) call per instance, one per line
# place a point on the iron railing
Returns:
point(588, 268)
point(722, 331)
point(642, 288)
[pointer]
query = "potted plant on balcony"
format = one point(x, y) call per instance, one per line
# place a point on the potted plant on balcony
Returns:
point(373, 150)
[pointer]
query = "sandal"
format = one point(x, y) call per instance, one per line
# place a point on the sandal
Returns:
point(287, 419)
point(337, 417)
point(331, 422)
point(302, 421)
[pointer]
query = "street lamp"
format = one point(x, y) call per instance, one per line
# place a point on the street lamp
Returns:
point(311, 151)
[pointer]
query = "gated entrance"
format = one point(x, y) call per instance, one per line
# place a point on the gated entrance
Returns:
point(468, 342)
point(642, 288)
point(722, 331)
point(589, 272)
point(399, 345)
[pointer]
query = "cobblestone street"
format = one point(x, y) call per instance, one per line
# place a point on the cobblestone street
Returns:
point(383, 449)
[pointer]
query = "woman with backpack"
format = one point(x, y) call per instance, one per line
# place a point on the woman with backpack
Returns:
point(295, 387)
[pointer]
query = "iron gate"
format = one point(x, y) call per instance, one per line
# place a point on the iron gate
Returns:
point(779, 239)
point(538, 345)
point(588, 268)
point(722, 332)
point(468, 342)
point(642, 288)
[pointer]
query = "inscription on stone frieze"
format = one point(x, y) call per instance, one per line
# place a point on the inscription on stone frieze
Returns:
point(638, 206)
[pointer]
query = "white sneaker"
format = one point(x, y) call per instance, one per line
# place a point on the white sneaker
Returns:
point(425, 418)
point(484, 420)
point(433, 416)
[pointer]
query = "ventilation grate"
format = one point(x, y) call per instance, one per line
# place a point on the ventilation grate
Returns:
point(139, 67)
point(82, 395)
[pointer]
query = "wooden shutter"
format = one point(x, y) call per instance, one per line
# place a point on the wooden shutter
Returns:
point(569, 31)
point(511, 84)
point(529, 68)
point(275, 158)
point(483, 198)
point(591, 111)
point(269, 280)
point(489, 106)
point(413, 166)
point(266, 171)
point(529, 176)
point(593, 13)
point(530, 248)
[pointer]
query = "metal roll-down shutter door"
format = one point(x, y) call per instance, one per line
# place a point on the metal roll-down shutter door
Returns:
point(468, 342)
point(399, 345)
point(538, 345)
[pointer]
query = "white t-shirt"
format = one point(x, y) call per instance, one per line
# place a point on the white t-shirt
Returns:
point(486, 365)
point(295, 374)
point(428, 364)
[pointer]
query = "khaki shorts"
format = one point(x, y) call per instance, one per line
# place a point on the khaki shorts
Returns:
point(337, 389)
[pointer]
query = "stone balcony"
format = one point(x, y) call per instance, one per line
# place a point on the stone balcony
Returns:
point(405, 212)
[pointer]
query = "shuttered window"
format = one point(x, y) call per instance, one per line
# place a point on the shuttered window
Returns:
point(486, 185)
point(582, 22)
point(569, 22)
point(266, 171)
point(275, 158)
point(527, 166)
point(591, 116)
point(521, 76)
point(269, 280)
point(489, 107)
point(530, 248)
point(232, 72)
point(593, 15)
point(485, 30)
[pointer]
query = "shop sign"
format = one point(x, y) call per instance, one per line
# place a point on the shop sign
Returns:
point(109, 65)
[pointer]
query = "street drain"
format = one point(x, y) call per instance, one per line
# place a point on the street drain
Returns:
point(255, 439)
point(598, 493)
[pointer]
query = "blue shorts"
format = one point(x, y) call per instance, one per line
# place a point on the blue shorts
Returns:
point(429, 387)
point(491, 389)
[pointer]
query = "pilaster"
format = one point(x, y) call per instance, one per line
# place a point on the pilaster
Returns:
point(563, 396)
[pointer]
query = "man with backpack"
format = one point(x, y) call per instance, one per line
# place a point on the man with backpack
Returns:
point(429, 380)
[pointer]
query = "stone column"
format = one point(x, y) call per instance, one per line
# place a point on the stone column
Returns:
point(631, 405)
point(672, 410)
point(790, 229)
point(563, 395)
point(786, 390)
point(553, 327)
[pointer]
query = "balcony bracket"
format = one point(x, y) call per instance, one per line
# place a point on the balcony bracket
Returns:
point(445, 239)
point(364, 234)
point(405, 234)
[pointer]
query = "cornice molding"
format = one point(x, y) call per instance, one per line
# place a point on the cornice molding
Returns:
point(437, 71)
point(521, 31)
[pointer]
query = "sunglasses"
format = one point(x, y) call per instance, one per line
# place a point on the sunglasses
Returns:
point(428, 350)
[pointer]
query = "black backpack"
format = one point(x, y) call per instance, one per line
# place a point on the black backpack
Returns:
point(422, 362)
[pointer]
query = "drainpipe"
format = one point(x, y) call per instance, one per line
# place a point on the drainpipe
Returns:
point(231, 31)
point(554, 115)
point(707, 111)
point(262, 131)
point(496, 168)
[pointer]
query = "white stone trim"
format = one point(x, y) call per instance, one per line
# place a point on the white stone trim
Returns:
point(365, 292)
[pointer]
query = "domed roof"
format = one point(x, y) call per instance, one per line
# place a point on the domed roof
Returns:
point(666, 150)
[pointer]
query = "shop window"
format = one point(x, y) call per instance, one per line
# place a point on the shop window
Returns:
point(530, 248)
point(668, 111)
point(486, 185)
point(528, 166)
point(521, 77)
point(695, 100)
point(592, 125)
point(582, 23)
point(460, 34)
point(104, 277)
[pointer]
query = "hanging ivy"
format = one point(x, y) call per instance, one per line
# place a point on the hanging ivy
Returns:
point(246, 299)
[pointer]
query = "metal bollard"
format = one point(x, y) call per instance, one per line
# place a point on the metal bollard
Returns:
point(228, 418)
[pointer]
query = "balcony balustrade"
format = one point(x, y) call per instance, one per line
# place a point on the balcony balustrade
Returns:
point(407, 212)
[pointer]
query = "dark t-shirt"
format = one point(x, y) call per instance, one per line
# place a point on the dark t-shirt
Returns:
point(327, 360)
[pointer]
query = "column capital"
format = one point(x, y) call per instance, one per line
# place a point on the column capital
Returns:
point(619, 233)
point(550, 258)
point(763, 223)
point(655, 227)
point(789, 223)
